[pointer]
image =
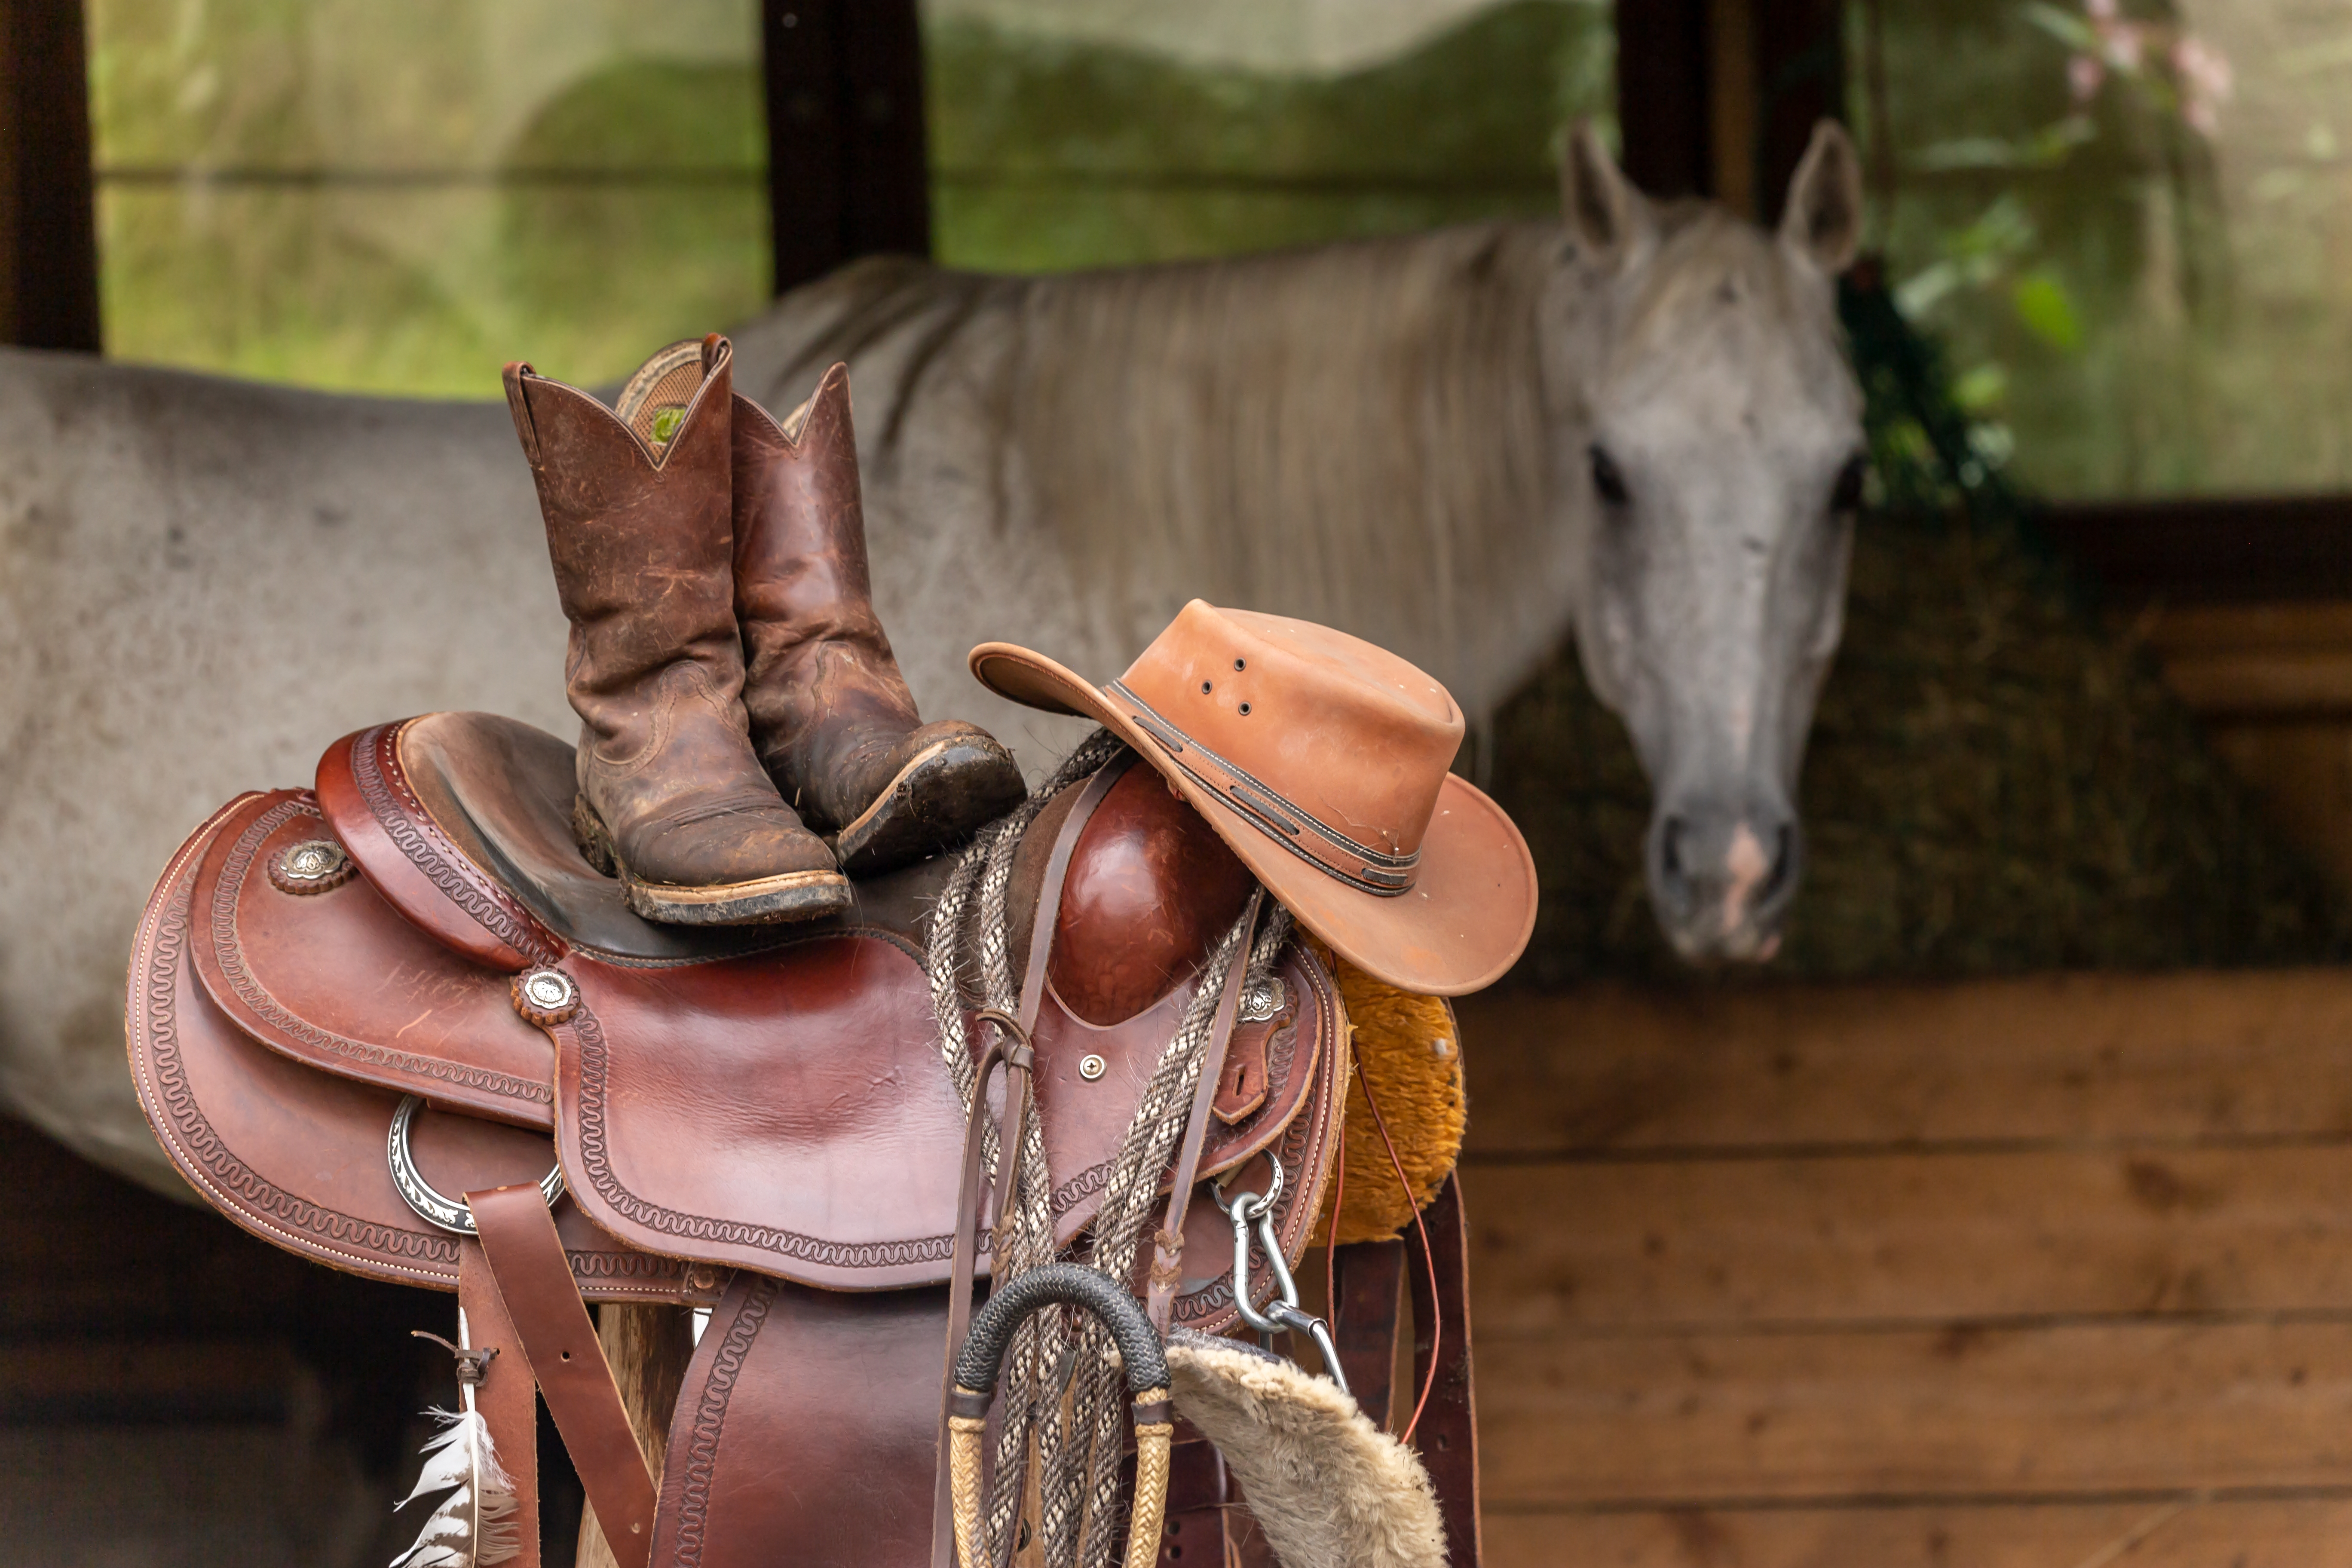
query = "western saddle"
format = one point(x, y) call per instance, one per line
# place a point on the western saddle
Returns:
point(398, 1024)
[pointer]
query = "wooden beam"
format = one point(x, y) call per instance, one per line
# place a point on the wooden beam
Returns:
point(2212, 550)
point(2217, 1059)
point(2187, 1531)
point(48, 249)
point(1718, 98)
point(846, 168)
point(1662, 109)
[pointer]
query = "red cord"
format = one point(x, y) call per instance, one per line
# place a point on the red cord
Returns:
point(1331, 1240)
point(1428, 1253)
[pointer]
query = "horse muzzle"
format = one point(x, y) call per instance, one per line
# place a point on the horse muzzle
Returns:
point(1721, 880)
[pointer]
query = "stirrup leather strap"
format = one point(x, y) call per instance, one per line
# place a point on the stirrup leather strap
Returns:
point(1167, 1246)
point(534, 1282)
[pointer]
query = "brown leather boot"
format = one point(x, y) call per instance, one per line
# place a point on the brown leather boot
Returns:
point(638, 525)
point(830, 715)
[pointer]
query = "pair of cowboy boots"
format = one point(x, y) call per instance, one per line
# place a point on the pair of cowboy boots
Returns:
point(737, 694)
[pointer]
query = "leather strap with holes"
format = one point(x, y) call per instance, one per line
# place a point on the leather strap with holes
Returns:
point(1167, 1246)
point(534, 1283)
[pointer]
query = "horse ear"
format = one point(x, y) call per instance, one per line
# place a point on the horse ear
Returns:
point(1824, 220)
point(1607, 217)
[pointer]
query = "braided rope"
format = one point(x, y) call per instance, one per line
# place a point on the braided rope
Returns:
point(970, 963)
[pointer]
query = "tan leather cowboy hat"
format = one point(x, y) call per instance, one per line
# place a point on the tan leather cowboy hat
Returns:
point(1322, 760)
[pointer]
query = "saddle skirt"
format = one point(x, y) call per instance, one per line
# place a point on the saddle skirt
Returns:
point(772, 1100)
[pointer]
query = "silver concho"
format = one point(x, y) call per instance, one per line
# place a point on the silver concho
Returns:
point(545, 996)
point(1262, 1001)
point(449, 1214)
point(313, 866)
point(1092, 1066)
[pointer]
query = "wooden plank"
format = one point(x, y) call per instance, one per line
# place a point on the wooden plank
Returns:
point(2176, 1533)
point(1910, 1238)
point(2210, 549)
point(2024, 1414)
point(2101, 1059)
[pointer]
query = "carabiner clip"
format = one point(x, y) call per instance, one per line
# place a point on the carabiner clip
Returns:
point(1253, 1218)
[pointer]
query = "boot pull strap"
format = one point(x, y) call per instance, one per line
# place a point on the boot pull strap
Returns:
point(518, 406)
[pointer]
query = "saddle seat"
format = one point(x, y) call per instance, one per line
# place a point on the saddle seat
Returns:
point(772, 1099)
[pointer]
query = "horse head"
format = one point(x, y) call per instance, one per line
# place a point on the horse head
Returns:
point(1709, 464)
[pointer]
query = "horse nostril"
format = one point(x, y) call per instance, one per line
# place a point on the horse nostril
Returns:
point(1670, 848)
point(1784, 858)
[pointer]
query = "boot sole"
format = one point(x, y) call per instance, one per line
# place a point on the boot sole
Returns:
point(930, 806)
point(763, 901)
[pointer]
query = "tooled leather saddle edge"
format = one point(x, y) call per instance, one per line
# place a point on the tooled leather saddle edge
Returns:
point(161, 984)
point(364, 793)
point(238, 980)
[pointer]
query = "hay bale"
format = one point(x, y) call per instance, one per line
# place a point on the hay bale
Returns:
point(1996, 783)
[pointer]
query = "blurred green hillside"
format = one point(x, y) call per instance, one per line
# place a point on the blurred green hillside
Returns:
point(399, 213)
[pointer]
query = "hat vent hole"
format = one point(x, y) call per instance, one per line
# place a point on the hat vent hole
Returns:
point(1244, 708)
point(1204, 689)
point(1241, 664)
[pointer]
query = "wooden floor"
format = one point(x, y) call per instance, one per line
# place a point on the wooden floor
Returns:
point(2053, 1273)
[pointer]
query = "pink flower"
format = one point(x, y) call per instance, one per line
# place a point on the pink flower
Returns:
point(2207, 82)
point(2204, 69)
point(2083, 76)
point(2100, 10)
point(2122, 42)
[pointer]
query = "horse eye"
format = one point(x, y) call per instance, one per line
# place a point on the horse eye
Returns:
point(1606, 480)
point(1847, 497)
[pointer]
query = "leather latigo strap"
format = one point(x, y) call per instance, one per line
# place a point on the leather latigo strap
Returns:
point(1012, 1048)
point(1448, 1435)
point(550, 1322)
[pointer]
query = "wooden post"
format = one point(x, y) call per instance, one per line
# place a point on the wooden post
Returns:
point(1662, 95)
point(48, 249)
point(847, 174)
point(649, 1347)
point(1718, 98)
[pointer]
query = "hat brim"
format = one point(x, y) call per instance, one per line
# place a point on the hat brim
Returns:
point(1458, 929)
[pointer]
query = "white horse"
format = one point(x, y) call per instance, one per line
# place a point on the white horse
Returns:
point(1460, 444)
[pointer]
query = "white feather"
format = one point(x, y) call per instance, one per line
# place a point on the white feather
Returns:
point(474, 1525)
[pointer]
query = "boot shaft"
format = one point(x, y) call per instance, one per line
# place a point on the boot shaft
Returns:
point(823, 692)
point(640, 534)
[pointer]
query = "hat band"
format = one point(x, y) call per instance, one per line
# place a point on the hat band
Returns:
point(1272, 812)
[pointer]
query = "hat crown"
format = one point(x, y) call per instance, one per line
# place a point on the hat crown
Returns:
point(1334, 728)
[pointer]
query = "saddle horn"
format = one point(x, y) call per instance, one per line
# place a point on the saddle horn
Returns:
point(1139, 1352)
